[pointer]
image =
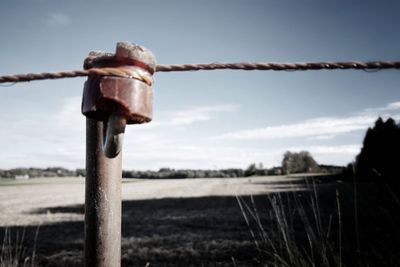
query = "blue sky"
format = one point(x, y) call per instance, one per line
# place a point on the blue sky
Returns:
point(213, 119)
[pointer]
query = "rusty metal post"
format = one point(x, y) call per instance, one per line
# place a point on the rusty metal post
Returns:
point(102, 201)
point(109, 103)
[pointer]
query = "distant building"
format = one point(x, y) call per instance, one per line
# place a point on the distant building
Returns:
point(22, 177)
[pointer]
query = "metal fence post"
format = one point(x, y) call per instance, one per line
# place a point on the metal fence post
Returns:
point(102, 201)
point(109, 103)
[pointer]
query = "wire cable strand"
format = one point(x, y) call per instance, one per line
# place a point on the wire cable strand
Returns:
point(120, 72)
point(373, 65)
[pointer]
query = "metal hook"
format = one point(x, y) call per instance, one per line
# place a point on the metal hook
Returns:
point(114, 135)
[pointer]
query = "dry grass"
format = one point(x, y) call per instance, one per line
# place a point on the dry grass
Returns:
point(279, 242)
point(13, 252)
point(330, 224)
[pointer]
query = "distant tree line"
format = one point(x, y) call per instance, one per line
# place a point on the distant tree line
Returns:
point(183, 173)
point(148, 174)
point(38, 172)
point(301, 162)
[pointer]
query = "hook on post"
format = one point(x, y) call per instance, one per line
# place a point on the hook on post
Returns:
point(109, 103)
point(118, 101)
point(114, 135)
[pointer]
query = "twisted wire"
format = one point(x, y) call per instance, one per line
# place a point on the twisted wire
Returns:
point(115, 71)
point(128, 73)
point(373, 65)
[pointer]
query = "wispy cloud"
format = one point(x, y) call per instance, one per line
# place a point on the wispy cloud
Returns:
point(59, 139)
point(318, 128)
point(393, 106)
point(68, 120)
point(56, 139)
point(193, 115)
point(57, 19)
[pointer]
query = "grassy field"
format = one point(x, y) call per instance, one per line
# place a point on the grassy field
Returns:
point(280, 221)
point(20, 199)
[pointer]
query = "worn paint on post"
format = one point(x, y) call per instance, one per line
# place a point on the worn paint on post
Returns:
point(102, 201)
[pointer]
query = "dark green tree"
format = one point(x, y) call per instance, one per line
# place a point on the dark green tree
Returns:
point(299, 162)
point(380, 154)
point(251, 170)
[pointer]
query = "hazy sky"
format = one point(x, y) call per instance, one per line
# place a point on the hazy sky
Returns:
point(210, 119)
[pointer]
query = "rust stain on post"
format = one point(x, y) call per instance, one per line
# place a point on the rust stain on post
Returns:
point(130, 98)
point(102, 201)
